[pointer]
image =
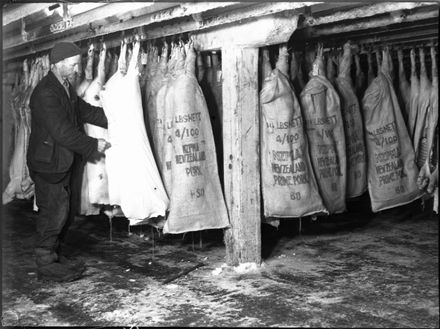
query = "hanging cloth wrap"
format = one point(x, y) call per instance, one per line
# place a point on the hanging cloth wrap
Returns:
point(133, 178)
point(353, 126)
point(392, 171)
point(325, 131)
point(190, 164)
point(289, 184)
point(420, 140)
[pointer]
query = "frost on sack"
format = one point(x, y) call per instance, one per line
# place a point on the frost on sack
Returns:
point(353, 127)
point(134, 182)
point(190, 165)
point(289, 184)
point(392, 171)
point(325, 133)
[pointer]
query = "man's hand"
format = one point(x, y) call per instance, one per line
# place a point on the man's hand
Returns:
point(103, 145)
point(423, 178)
point(427, 180)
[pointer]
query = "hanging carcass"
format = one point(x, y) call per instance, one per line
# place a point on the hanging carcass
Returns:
point(134, 182)
point(370, 74)
point(94, 189)
point(88, 73)
point(404, 88)
point(414, 97)
point(420, 141)
point(288, 182)
point(359, 82)
point(20, 185)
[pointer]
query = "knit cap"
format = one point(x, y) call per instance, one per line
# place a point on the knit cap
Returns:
point(63, 50)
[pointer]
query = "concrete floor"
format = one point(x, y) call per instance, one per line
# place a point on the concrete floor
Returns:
point(351, 270)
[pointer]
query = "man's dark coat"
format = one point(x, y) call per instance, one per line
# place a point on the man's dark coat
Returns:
point(56, 129)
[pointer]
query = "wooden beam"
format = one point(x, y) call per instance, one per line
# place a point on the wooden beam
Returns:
point(368, 24)
point(422, 34)
point(116, 11)
point(85, 32)
point(267, 30)
point(364, 11)
point(241, 154)
point(281, 28)
point(15, 12)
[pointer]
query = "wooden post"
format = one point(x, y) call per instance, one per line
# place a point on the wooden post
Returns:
point(241, 154)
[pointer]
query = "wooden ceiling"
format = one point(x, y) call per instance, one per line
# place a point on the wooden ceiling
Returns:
point(30, 28)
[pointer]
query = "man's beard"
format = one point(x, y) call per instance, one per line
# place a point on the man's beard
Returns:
point(73, 79)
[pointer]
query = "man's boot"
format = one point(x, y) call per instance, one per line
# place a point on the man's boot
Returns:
point(75, 263)
point(50, 269)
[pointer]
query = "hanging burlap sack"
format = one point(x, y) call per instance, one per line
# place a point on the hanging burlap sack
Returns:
point(353, 127)
point(190, 164)
point(325, 132)
point(392, 171)
point(289, 185)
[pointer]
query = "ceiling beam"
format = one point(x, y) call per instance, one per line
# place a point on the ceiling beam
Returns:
point(364, 11)
point(188, 24)
point(15, 12)
point(316, 32)
point(267, 30)
point(122, 11)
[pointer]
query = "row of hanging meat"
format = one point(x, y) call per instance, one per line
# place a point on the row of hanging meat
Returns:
point(166, 169)
point(316, 152)
point(336, 141)
point(20, 184)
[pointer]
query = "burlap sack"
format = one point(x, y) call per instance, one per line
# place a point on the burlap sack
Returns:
point(325, 131)
point(353, 127)
point(288, 182)
point(392, 171)
point(190, 164)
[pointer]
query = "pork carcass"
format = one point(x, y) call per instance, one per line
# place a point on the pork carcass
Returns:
point(359, 81)
point(370, 73)
point(288, 182)
point(420, 141)
point(331, 71)
point(325, 131)
point(88, 73)
point(200, 67)
point(353, 127)
point(113, 66)
point(21, 185)
point(134, 182)
point(404, 88)
point(378, 62)
point(296, 72)
point(414, 99)
point(94, 189)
